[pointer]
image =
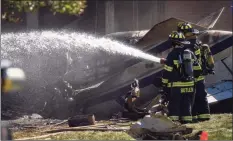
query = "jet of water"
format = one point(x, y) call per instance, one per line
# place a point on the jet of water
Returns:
point(49, 55)
point(64, 60)
point(78, 41)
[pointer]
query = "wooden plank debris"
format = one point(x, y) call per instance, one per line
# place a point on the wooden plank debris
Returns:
point(86, 129)
point(60, 123)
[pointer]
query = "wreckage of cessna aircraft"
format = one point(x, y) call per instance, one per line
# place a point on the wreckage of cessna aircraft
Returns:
point(106, 97)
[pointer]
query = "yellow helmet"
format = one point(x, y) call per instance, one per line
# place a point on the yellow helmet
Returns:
point(178, 37)
point(179, 25)
point(185, 27)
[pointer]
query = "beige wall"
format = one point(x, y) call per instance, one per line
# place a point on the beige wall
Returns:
point(126, 17)
point(193, 11)
point(152, 12)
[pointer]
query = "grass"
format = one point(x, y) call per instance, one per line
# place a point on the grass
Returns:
point(25, 134)
point(91, 135)
point(218, 128)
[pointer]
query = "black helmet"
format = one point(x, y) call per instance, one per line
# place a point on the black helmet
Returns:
point(178, 37)
point(186, 28)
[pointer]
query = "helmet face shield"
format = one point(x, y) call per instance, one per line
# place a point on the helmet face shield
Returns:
point(188, 34)
point(178, 38)
point(185, 42)
point(195, 31)
point(181, 42)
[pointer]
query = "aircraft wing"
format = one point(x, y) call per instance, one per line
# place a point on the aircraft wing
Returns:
point(129, 37)
point(219, 91)
point(159, 33)
point(127, 34)
point(209, 21)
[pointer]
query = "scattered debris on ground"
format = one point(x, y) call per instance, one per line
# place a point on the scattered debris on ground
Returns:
point(81, 120)
point(219, 127)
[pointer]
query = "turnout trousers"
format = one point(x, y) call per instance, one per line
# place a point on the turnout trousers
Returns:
point(201, 110)
point(180, 104)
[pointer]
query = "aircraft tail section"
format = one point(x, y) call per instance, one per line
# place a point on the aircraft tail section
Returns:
point(209, 21)
point(159, 33)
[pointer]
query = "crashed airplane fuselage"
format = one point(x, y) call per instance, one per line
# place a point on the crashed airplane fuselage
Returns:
point(112, 90)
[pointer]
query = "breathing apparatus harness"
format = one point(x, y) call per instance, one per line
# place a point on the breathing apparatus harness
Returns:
point(185, 63)
point(207, 61)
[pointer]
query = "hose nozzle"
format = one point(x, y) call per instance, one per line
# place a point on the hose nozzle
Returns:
point(162, 61)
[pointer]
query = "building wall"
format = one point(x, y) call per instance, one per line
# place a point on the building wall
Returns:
point(194, 11)
point(153, 12)
point(138, 15)
point(126, 15)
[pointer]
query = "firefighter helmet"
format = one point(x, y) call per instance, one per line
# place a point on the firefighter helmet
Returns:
point(186, 28)
point(178, 37)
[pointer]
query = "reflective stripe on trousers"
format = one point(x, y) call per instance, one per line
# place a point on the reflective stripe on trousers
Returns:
point(194, 117)
point(174, 117)
point(164, 80)
point(204, 116)
point(186, 118)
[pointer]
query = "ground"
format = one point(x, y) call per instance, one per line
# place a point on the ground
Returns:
point(218, 128)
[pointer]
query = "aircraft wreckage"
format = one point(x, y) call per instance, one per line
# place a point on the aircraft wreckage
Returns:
point(107, 98)
point(110, 78)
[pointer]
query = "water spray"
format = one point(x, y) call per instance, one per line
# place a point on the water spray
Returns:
point(68, 41)
point(50, 58)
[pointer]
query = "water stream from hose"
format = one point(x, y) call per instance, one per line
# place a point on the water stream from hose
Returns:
point(57, 60)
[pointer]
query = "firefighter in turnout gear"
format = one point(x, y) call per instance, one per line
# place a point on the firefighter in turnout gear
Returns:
point(203, 54)
point(177, 79)
point(12, 80)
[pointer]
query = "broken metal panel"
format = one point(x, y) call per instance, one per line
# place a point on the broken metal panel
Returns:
point(120, 100)
point(219, 91)
point(210, 20)
point(221, 72)
point(158, 127)
point(164, 29)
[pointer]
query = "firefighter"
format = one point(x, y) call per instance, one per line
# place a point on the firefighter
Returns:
point(204, 57)
point(177, 79)
point(11, 80)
